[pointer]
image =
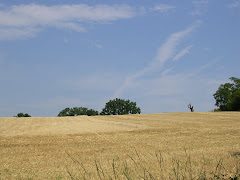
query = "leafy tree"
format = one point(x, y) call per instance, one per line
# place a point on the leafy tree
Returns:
point(228, 96)
point(235, 102)
point(119, 107)
point(76, 111)
point(91, 112)
point(23, 115)
point(64, 112)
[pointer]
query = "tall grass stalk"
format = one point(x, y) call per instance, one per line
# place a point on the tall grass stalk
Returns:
point(136, 167)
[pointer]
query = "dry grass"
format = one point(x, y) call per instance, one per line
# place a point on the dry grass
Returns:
point(156, 146)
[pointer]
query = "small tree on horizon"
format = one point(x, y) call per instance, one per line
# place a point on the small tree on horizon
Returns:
point(190, 107)
point(23, 115)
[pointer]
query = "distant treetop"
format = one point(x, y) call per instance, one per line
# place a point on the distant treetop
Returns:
point(77, 111)
point(120, 107)
point(23, 115)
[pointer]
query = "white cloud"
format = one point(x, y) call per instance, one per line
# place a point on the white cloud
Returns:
point(26, 20)
point(46, 15)
point(200, 2)
point(202, 68)
point(70, 25)
point(199, 7)
point(65, 40)
point(166, 71)
point(164, 53)
point(234, 5)
point(167, 50)
point(98, 45)
point(196, 12)
point(207, 49)
point(182, 53)
point(163, 8)
point(17, 33)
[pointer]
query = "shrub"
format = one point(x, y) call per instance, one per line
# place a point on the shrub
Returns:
point(23, 115)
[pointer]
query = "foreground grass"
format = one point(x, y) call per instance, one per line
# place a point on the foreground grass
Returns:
point(161, 166)
point(155, 165)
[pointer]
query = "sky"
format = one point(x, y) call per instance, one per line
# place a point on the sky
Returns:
point(160, 54)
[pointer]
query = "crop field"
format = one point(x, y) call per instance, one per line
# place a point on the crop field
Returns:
point(146, 146)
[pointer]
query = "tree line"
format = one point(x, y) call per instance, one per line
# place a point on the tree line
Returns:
point(77, 111)
point(227, 99)
point(113, 107)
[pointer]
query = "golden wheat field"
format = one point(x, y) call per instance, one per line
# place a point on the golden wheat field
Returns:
point(147, 146)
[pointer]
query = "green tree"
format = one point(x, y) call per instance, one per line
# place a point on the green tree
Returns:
point(23, 115)
point(119, 107)
point(235, 101)
point(64, 112)
point(76, 111)
point(228, 96)
point(91, 112)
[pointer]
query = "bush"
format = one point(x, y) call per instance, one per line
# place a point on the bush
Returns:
point(23, 115)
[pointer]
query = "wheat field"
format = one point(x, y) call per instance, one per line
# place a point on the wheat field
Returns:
point(146, 146)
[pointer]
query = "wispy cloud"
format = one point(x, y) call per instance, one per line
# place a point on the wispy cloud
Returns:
point(234, 5)
point(65, 40)
point(202, 68)
point(199, 7)
point(26, 20)
point(207, 49)
point(98, 45)
point(163, 7)
point(12, 33)
point(182, 53)
point(164, 53)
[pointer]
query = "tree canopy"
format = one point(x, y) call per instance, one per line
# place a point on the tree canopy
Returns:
point(228, 96)
point(23, 115)
point(120, 107)
point(76, 111)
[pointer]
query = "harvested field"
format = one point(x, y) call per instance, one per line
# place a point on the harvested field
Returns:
point(147, 146)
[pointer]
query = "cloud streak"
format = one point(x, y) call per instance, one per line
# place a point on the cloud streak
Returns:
point(163, 7)
point(164, 53)
point(199, 7)
point(10, 33)
point(182, 53)
point(27, 20)
point(234, 5)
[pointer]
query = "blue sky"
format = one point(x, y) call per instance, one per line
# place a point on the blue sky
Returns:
point(160, 54)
